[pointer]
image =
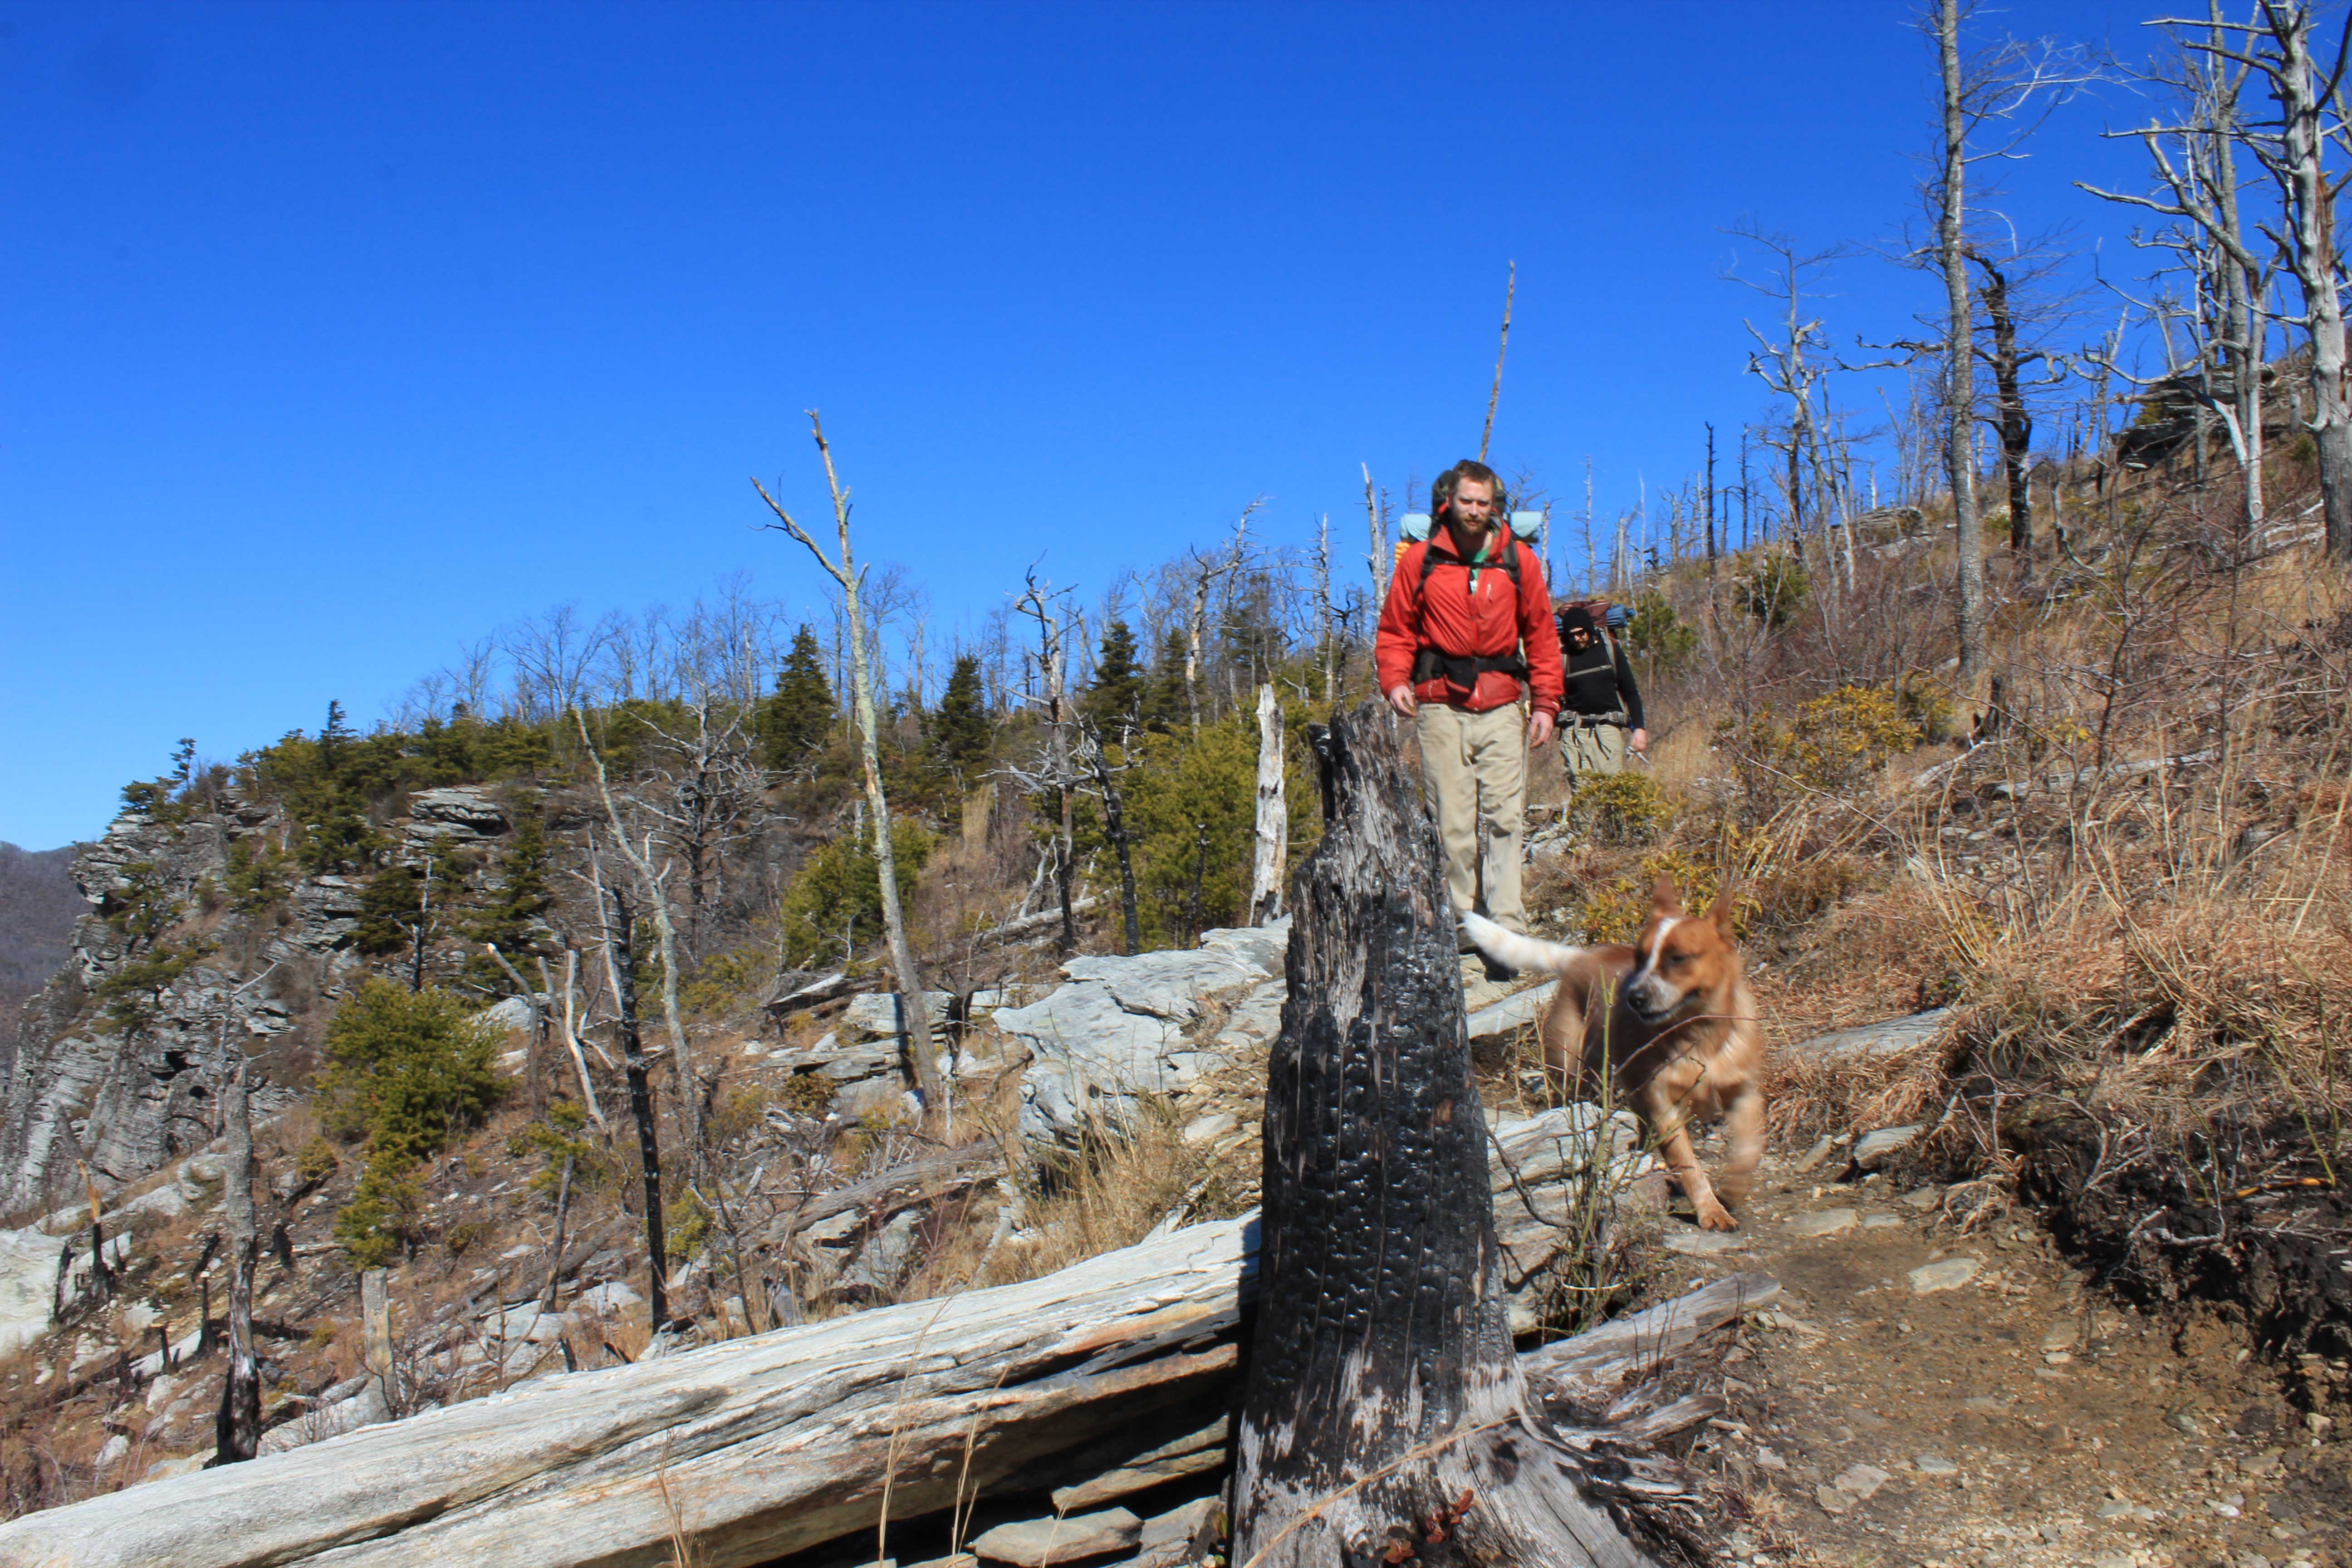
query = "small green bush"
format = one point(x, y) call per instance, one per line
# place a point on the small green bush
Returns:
point(407, 1073)
point(1621, 808)
point(836, 897)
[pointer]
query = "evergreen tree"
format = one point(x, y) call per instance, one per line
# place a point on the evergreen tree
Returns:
point(960, 734)
point(1164, 706)
point(1116, 698)
point(796, 720)
point(514, 916)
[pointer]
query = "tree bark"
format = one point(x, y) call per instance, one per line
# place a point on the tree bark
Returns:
point(656, 899)
point(619, 920)
point(2011, 420)
point(759, 1447)
point(1959, 393)
point(237, 1431)
point(2311, 217)
point(1384, 1414)
point(1273, 817)
point(1114, 829)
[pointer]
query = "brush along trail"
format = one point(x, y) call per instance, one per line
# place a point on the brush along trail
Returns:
point(1923, 1396)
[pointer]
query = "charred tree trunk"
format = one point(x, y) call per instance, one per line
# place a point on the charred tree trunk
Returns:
point(618, 924)
point(2011, 419)
point(236, 1432)
point(1384, 1414)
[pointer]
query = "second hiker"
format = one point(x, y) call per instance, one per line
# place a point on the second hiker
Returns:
point(1466, 633)
point(1601, 719)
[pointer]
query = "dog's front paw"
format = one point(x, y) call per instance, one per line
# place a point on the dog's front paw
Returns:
point(1713, 1215)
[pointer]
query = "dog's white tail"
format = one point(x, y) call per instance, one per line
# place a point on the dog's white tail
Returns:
point(1507, 946)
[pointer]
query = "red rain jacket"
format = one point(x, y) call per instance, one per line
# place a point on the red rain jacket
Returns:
point(1491, 624)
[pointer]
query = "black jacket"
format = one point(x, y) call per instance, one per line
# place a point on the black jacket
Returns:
point(1601, 681)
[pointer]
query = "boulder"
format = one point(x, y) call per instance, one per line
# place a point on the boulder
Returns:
point(1521, 1008)
point(457, 813)
point(1040, 1542)
point(874, 1015)
point(1117, 1030)
point(1888, 1038)
point(1872, 1149)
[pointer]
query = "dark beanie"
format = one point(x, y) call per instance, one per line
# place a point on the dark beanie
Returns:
point(1576, 617)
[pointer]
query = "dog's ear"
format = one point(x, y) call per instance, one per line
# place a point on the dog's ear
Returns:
point(1720, 912)
point(1663, 899)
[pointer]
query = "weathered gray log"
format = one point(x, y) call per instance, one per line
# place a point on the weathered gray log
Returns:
point(771, 1445)
point(1385, 1415)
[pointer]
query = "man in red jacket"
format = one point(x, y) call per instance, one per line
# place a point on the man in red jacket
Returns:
point(1466, 632)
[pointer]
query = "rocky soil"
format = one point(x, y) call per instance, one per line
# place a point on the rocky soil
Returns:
point(1926, 1397)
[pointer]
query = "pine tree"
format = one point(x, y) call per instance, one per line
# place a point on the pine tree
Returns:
point(1115, 701)
point(1163, 699)
point(796, 720)
point(514, 917)
point(960, 734)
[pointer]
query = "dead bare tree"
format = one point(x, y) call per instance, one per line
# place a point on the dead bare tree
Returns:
point(2201, 190)
point(236, 1432)
point(1377, 559)
point(1993, 98)
point(652, 886)
point(2195, 154)
point(1105, 774)
point(1273, 829)
point(929, 1084)
point(1042, 602)
point(1510, 290)
point(613, 908)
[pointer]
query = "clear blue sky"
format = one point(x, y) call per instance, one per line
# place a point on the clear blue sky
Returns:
point(333, 336)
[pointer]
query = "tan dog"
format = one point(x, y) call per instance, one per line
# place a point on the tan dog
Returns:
point(1668, 1024)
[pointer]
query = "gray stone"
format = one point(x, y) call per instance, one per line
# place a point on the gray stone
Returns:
point(1934, 1465)
point(1187, 1455)
point(511, 1013)
point(1892, 1038)
point(1881, 1221)
point(1828, 1222)
point(1820, 1150)
point(1208, 1129)
point(1948, 1275)
point(1167, 1537)
point(1704, 1243)
point(1861, 1480)
point(1255, 1019)
point(1040, 1542)
point(875, 1015)
point(1873, 1147)
point(458, 812)
point(1519, 1007)
point(1922, 1198)
point(2063, 1335)
point(1833, 1499)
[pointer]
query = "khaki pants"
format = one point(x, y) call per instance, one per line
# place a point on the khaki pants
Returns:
point(1591, 747)
point(1475, 765)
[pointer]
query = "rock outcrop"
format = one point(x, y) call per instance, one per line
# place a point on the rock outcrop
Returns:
point(120, 1059)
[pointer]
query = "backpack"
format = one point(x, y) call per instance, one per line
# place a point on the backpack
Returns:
point(1417, 526)
point(1463, 672)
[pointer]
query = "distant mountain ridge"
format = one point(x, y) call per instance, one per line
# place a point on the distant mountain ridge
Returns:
point(38, 906)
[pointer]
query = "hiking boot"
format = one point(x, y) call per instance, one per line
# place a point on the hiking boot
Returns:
point(1496, 970)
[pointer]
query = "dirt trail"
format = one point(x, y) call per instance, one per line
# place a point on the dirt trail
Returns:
point(2017, 1417)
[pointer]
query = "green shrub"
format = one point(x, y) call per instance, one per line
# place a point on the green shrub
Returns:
point(836, 897)
point(1772, 587)
point(1662, 639)
point(1621, 808)
point(407, 1073)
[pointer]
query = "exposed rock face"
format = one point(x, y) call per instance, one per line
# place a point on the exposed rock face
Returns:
point(1121, 1027)
point(124, 1076)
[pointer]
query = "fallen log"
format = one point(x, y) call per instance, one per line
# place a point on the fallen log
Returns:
point(759, 1447)
point(1385, 1416)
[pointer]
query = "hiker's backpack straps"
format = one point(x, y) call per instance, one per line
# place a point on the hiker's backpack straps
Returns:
point(1430, 561)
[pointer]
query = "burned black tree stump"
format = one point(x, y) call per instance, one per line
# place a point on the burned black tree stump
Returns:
point(1384, 1416)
